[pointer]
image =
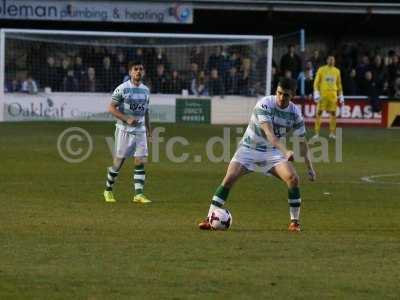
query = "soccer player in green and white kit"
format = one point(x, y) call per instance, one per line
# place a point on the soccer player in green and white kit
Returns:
point(261, 150)
point(130, 105)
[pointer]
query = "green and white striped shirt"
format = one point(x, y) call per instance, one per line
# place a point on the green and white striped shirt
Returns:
point(282, 120)
point(132, 101)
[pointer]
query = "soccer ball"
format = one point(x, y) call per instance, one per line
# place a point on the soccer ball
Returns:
point(220, 219)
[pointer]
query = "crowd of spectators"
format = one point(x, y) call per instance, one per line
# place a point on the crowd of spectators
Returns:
point(364, 71)
point(225, 71)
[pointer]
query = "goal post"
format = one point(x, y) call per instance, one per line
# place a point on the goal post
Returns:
point(2, 61)
point(26, 52)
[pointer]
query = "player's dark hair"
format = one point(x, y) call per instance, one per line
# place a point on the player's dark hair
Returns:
point(288, 84)
point(134, 63)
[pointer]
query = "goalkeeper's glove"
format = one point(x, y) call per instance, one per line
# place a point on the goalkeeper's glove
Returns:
point(317, 96)
point(341, 99)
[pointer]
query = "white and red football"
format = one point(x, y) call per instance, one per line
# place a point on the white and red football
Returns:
point(220, 219)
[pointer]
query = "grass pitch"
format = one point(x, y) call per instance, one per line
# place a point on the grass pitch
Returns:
point(60, 240)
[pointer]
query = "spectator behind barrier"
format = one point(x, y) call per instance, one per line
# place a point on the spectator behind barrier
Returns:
point(350, 86)
point(79, 69)
point(378, 69)
point(50, 75)
point(291, 61)
point(393, 72)
point(89, 81)
point(29, 85)
point(70, 82)
point(371, 88)
point(198, 85)
point(175, 84)
point(106, 76)
point(65, 67)
point(215, 84)
point(316, 60)
point(197, 56)
point(216, 61)
point(160, 81)
point(12, 86)
point(232, 82)
point(120, 66)
point(362, 67)
point(309, 73)
point(245, 78)
point(274, 80)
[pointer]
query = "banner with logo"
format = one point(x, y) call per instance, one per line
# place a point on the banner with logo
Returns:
point(193, 110)
point(98, 11)
point(172, 108)
point(355, 111)
point(75, 106)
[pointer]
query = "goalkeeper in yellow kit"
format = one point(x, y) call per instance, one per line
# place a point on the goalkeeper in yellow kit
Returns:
point(327, 91)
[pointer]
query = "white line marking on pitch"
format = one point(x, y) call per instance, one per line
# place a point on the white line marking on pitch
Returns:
point(371, 179)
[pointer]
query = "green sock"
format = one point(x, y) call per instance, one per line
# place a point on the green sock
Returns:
point(139, 177)
point(294, 200)
point(219, 198)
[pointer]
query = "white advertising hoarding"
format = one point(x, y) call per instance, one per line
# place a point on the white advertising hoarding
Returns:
point(227, 110)
point(75, 106)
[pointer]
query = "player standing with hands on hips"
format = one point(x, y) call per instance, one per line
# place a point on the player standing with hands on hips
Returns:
point(130, 105)
point(261, 150)
point(327, 91)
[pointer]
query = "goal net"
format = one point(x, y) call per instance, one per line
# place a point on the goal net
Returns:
point(35, 61)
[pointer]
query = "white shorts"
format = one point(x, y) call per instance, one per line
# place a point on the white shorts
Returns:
point(258, 161)
point(128, 144)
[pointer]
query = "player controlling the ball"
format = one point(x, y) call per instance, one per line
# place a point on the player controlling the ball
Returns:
point(261, 150)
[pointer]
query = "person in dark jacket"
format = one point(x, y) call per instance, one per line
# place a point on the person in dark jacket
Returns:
point(372, 89)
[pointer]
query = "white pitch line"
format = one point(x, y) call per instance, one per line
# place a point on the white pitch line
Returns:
point(370, 179)
point(364, 180)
